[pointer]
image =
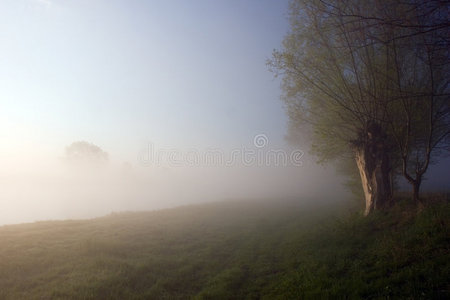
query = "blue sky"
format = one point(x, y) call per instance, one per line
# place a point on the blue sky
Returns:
point(122, 73)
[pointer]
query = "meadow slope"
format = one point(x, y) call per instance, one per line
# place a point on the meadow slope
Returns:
point(231, 250)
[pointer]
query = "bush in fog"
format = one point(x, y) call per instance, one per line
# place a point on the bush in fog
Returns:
point(84, 153)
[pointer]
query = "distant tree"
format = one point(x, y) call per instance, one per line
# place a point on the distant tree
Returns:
point(82, 152)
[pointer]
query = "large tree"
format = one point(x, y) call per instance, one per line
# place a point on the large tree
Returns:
point(346, 82)
point(416, 34)
point(419, 40)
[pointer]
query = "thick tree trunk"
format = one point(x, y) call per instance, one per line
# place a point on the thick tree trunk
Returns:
point(372, 159)
point(375, 179)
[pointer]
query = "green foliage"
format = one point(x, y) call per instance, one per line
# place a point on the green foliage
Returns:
point(330, 83)
point(348, 63)
point(232, 251)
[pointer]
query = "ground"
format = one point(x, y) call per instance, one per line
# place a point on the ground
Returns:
point(232, 250)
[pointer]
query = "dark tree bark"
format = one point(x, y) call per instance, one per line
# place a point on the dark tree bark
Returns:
point(416, 191)
point(372, 158)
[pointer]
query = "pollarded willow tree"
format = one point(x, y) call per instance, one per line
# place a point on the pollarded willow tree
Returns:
point(417, 36)
point(347, 82)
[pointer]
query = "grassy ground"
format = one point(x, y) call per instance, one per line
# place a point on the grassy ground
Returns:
point(231, 251)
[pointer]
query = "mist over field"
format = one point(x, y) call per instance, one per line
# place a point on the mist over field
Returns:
point(43, 188)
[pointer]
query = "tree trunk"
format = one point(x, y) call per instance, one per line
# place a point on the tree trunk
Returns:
point(416, 192)
point(415, 195)
point(415, 182)
point(375, 179)
point(372, 159)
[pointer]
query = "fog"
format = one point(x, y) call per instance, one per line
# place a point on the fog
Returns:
point(49, 188)
point(185, 76)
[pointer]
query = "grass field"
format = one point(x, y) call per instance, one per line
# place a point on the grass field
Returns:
point(231, 250)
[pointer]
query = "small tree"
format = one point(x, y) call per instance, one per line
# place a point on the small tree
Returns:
point(420, 115)
point(85, 153)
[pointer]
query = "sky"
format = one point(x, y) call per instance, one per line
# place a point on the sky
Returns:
point(134, 75)
point(122, 73)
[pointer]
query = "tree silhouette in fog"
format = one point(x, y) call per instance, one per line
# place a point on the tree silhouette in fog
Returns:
point(82, 152)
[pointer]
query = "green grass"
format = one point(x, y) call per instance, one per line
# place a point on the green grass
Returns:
point(231, 251)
